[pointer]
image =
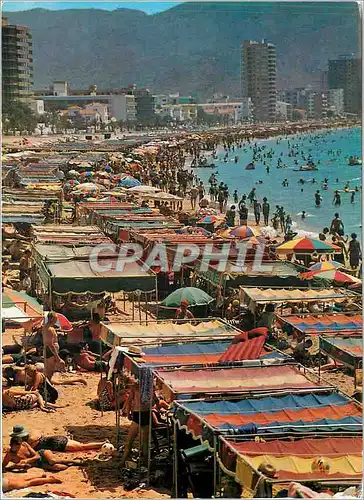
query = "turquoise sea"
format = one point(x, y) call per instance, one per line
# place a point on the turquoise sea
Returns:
point(323, 147)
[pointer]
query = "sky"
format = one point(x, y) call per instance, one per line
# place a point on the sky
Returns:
point(145, 6)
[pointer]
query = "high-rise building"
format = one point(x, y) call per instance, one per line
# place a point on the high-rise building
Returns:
point(258, 78)
point(17, 62)
point(345, 73)
point(335, 100)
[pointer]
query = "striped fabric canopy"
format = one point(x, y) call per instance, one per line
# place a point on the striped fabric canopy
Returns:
point(263, 415)
point(300, 460)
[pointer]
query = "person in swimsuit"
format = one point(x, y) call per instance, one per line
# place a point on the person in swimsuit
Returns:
point(53, 443)
point(51, 347)
point(106, 398)
point(140, 417)
point(16, 400)
point(18, 483)
point(37, 381)
point(22, 455)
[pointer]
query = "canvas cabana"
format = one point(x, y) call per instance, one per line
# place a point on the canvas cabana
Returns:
point(283, 414)
point(253, 296)
point(198, 354)
point(157, 332)
point(324, 324)
point(78, 277)
point(345, 350)
point(72, 236)
point(293, 460)
point(232, 380)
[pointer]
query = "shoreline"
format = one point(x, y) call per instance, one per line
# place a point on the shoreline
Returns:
point(248, 131)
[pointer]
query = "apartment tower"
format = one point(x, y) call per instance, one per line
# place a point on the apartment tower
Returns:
point(345, 73)
point(17, 62)
point(258, 78)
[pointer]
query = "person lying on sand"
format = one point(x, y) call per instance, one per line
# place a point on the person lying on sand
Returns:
point(22, 456)
point(53, 443)
point(18, 483)
point(84, 359)
point(15, 400)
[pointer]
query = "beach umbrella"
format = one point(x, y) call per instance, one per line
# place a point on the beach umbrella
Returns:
point(332, 274)
point(307, 246)
point(62, 323)
point(129, 182)
point(244, 232)
point(87, 187)
point(206, 211)
point(194, 297)
point(208, 219)
point(143, 189)
point(11, 298)
point(326, 265)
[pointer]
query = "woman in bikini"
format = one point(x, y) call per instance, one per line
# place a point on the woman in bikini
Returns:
point(16, 400)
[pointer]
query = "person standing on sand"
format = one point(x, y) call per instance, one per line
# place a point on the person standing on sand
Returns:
point(266, 210)
point(354, 251)
point(51, 347)
point(257, 210)
point(230, 216)
point(243, 214)
point(337, 226)
point(193, 194)
point(139, 414)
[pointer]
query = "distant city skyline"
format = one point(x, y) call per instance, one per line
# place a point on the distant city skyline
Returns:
point(143, 5)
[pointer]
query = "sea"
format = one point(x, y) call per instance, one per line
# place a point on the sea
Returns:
point(323, 147)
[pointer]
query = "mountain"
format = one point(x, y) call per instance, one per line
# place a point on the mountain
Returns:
point(191, 48)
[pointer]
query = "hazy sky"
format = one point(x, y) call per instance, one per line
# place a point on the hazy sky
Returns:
point(146, 6)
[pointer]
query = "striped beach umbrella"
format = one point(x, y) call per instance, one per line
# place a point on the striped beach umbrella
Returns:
point(244, 232)
point(307, 246)
point(326, 265)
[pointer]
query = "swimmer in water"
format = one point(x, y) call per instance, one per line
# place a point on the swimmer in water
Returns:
point(303, 215)
point(318, 199)
point(352, 198)
point(337, 198)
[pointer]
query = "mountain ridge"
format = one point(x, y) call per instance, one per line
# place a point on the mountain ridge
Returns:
point(192, 47)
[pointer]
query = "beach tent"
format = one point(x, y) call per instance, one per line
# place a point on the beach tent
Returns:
point(324, 324)
point(232, 380)
point(253, 296)
point(81, 277)
point(156, 332)
point(198, 353)
point(325, 460)
point(346, 350)
point(276, 414)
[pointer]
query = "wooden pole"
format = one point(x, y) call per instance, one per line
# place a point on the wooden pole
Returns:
point(175, 460)
point(215, 465)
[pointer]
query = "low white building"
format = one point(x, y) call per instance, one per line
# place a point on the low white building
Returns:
point(180, 112)
point(60, 88)
point(37, 106)
point(122, 107)
point(236, 112)
point(99, 109)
